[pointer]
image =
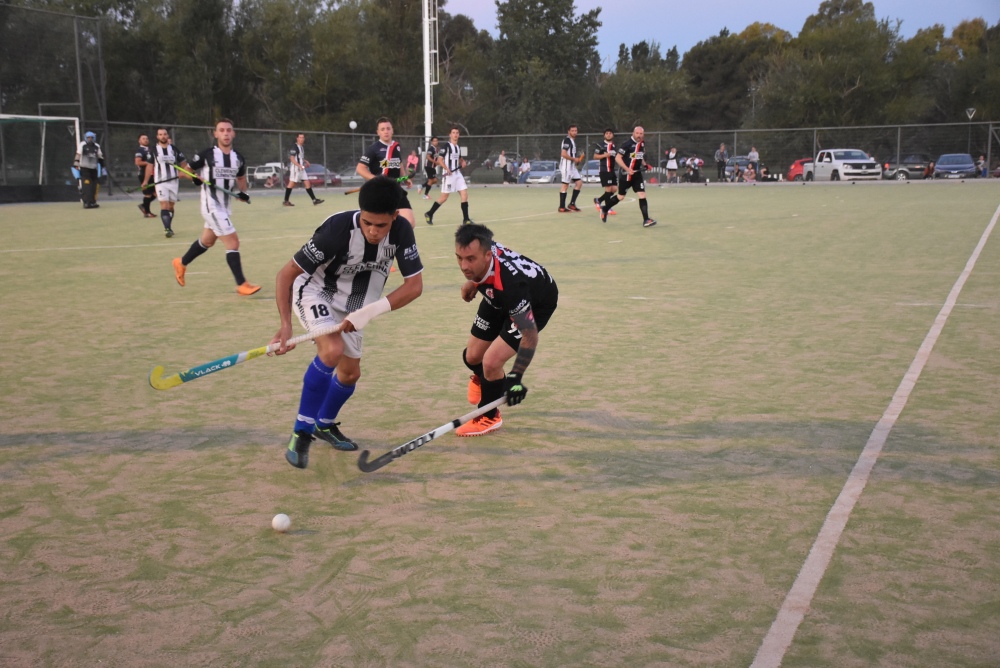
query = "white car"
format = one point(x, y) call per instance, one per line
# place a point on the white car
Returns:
point(847, 164)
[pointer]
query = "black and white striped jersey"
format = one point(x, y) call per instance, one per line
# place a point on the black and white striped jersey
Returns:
point(164, 159)
point(569, 146)
point(452, 156)
point(215, 166)
point(299, 154)
point(431, 157)
point(352, 271)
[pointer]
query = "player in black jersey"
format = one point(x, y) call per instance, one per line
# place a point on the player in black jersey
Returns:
point(144, 159)
point(430, 166)
point(338, 277)
point(631, 160)
point(605, 152)
point(519, 297)
point(384, 158)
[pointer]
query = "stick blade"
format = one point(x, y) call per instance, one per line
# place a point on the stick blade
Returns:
point(373, 465)
point(158, 382)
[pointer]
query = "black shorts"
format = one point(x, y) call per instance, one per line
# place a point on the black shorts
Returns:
point(608, 179)
point(636, 183)
point(431, 172)
point(492, 322)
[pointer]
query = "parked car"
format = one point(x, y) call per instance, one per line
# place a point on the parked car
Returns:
point(911, 166)
point(955, 166)
point(797, 171)
point(848, 164)
point(544, 171)
point(267, 175)
point(320, 175)
point(734, 162)
point(591, 172)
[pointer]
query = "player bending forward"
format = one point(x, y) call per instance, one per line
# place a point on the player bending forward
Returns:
point(338, 277)
point(519, 297)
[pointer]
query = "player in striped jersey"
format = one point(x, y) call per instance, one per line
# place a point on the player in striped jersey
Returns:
point(451, 160)
point(143, 159)
point(297, 164)
point(430, 166)
point(605, 152)
point(383, 158)
point(338, 277)
point(631, 159)
point(219, 165)
point(568, 161)
point(164, 174)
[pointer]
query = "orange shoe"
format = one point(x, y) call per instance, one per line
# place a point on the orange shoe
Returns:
point(179, 270)
point(480, 426)
point(247, 289)
point(475, 390)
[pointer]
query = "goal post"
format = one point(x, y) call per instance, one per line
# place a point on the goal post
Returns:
point(37, 150)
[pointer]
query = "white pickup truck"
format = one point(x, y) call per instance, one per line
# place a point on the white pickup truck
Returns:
point(847, 164)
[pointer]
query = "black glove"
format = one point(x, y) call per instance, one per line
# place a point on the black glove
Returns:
point(243, 197)
point(195, 180)
point(514, 389)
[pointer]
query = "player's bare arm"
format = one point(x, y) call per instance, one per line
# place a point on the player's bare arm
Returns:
point(525, 322)
point(363, 171)
point(283, 299)
point(621, 163)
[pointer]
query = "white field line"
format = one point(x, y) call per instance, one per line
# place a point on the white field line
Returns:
point(779, 637)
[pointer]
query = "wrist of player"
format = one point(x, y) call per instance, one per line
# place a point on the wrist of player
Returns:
point(366, 314)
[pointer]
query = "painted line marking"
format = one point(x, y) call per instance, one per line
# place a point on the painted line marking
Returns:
point(793, 609)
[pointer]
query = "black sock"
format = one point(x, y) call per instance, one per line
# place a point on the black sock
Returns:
point(193, 252)
point(475, 368)
point(309, 191)
point(146, 201)
point(492, 390)
point(612, 200)
point(427, 189)
point(434, 207)
point(562, 200)
point(572, 200)
point(465, 211)
point(235, 266)
point(644, 208)
point(288, 193)
point(165, 217)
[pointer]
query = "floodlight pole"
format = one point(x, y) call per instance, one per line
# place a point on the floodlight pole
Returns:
point(970, 112)
point(429, 10)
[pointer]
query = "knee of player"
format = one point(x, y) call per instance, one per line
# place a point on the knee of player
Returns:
point(348, 376)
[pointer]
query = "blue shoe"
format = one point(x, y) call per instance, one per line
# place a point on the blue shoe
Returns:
point(297, 452)
point(336, 438)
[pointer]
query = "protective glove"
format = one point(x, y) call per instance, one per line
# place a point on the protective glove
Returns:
point(514, 389)
point(243, 197)
point(76, 172)
point(195, 180)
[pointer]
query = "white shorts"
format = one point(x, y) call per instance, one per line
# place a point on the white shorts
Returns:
point(314, 311)
point(167, 192)
point(453, 183)
point(216, 217)
point(569, 171)
point(297, 175)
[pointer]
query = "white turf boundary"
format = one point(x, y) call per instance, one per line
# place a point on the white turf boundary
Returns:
point(779, 637)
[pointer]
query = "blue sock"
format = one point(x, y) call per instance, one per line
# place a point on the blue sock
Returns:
point(336, 397)
point(315, 387)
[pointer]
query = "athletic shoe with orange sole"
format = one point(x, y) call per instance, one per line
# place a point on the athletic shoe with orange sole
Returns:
point(247, 289)
point(475, 390)
point(179, 270)
point(481, 426)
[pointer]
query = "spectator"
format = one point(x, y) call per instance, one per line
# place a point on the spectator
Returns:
point(721, 157)
point(981, 166)
point(672, 165)
point(929, 172)
point(502, 164)
point(523, 170)
point(750, 174)
point(754, 157)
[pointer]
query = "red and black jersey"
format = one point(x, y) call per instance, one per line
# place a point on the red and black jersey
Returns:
point(608, 163)
point(515, 284)
point(633, 153)
point(384, 159)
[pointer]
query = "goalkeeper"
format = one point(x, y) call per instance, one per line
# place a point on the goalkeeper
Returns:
point(88, 162)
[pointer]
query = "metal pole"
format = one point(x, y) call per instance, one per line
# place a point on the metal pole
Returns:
point(79, 70)
point(899, 142)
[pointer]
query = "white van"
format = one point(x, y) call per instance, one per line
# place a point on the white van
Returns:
point(268, 175)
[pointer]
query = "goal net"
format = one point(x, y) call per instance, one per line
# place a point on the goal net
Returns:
point(38, 150)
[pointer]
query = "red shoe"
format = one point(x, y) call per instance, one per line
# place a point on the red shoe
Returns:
point(475, 393)
point(481, 426)
point(573, 207)
point(179, 270)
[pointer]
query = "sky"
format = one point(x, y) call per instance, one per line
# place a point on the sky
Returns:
point(684, 23)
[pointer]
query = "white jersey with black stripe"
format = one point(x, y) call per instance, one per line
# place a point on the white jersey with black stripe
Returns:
point(452, 156)
point(164, 159)
point(219, 168)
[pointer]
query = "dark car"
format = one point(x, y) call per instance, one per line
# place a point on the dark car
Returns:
point(797, 171)
point(955, 166)
point(320, 175)
point(911, 166)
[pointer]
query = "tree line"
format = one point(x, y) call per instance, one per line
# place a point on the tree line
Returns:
point(317, 64)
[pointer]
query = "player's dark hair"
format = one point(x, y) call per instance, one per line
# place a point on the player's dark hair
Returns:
point(454, 127)
point(466, 234)
point(434, 138)
point(164, 129)
point(224, 120)
point(571, 126)
point(607, 130)
point(380, 195)
point(381, 120)
point(141, 135)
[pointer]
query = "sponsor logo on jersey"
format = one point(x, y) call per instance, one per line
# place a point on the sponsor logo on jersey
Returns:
point(411, 253)
point(522, 306)
point(313, 253)
point(489, 293)
point(388, 252)
point(481, 324)
point(225, 172)
point(352, 269)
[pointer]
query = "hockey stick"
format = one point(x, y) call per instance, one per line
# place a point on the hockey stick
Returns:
point(132, 189)
point(160, 382)
point(410, 446)
point(209, 183)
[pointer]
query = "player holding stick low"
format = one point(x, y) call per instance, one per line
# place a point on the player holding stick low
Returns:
point(568, 162)
point(338, 277)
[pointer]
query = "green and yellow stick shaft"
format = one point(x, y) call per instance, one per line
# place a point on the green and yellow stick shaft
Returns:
point(207, 183)
point(160, 382)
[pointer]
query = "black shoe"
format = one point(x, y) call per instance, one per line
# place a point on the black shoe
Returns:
point(169, 233)
point(318, 201)
point(428, 219)
point(336, 438)
point(604, 215)
point(573, 207)
point(649, 222)
point(297, 452)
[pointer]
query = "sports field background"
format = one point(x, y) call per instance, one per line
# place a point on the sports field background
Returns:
point(695, 406)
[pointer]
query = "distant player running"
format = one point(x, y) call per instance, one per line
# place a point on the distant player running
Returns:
point(430, 166)
point(297, 164)
point(631, 161)
point(450, 159)
point(605, 152)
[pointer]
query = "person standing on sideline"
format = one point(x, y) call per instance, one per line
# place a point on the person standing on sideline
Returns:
point(605, 152)
point(519, 297)
point(453, 163)
point(430, 166)
point(672, 165)
point(88, 160)
point(165, 175)
point(338, 277)
point(219, 166)
point(568, 161)
point(297, 164)
point(630, 176)
point(754, 157)
point(412, 162)
point(721, 157)
point(384, 158)
point(144, 159)
point(502, 164)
